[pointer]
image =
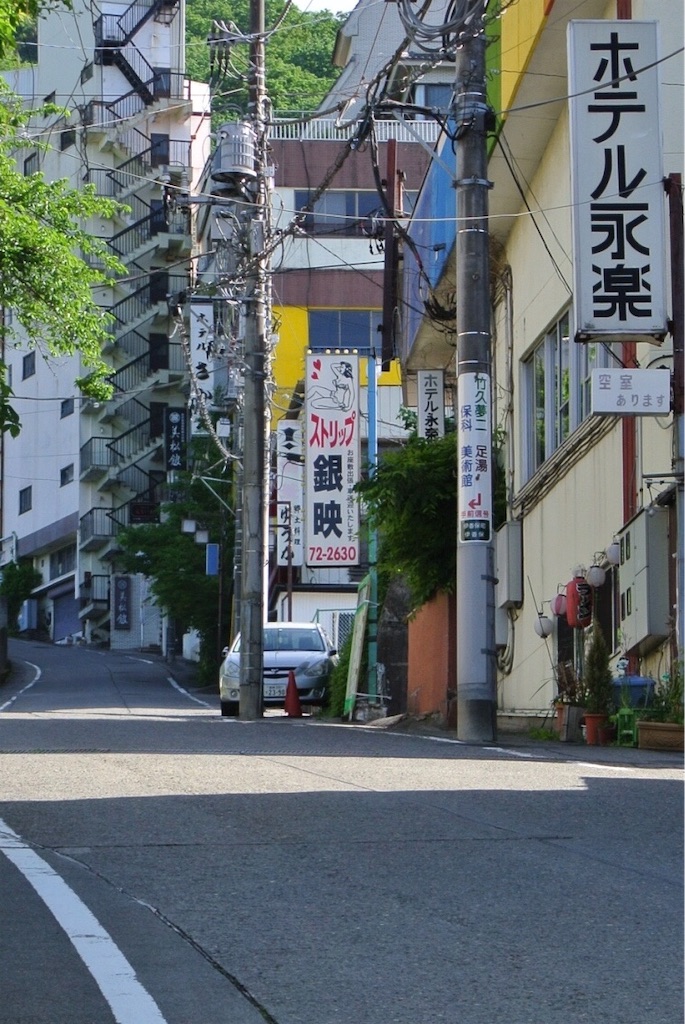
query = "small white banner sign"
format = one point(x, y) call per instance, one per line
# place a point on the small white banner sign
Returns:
point(289, 493)
point(430, 404)
point(631, 392)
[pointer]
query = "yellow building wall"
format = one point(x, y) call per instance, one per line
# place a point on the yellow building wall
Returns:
point(521, 24)
point(288, 364)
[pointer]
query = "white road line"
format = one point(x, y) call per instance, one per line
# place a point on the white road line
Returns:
point(177, 686)
point(129, 1001)
point(28, 686)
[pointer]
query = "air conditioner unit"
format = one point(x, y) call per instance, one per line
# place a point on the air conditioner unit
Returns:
point(509, 565)
point(643, 580)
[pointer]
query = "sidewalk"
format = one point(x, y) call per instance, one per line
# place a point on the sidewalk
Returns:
point(185, 674)
point(525, 746)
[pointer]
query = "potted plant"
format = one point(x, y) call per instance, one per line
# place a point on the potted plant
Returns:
point(599, 687)
point(660, 726)
point(569, 703)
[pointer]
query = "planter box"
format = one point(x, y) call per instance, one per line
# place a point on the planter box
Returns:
point(659, 735)
point(568, 723)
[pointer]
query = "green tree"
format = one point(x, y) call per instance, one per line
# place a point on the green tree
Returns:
point(18, 581)
point(45, 278)
point(412, 501)
point(299, 71)
point(175, 565)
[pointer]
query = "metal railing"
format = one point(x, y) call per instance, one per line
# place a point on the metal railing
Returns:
point(96, 454)
point(97, 523)
point(321, 129)
point(96, 591)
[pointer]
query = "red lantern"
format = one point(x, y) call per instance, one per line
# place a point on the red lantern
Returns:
point(578, 603)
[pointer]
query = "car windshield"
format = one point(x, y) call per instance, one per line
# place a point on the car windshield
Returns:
point(305, 639)
point(293, 640)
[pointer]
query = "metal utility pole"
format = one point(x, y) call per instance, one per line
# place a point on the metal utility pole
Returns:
point(476, 677)
point(253, 532)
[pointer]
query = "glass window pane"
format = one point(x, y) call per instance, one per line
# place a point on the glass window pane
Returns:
point(539, 406)
point(324, 328)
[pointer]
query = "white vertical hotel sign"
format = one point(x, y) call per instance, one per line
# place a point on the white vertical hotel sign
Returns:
point(332, 460)
point(474, 448)
point(617, 180)
point(289, 493)
point(430, 403)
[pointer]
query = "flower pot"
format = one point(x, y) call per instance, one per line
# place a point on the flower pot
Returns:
point(570, 728)
point(659, 735)
point(593, 724)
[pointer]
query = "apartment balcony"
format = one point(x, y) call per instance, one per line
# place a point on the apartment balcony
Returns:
point(96, 529)
point(112, 30)
point(147, 302)
point(150, 161)
point(94, 595)
point(96, 458)
point(153, 368)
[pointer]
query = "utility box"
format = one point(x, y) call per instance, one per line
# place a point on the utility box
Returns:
point(509, 565)
point(643, 580)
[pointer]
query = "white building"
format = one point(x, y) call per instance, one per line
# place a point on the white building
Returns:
point(81, 470)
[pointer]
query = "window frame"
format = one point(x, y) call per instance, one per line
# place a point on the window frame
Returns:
point(335, 336)
point(25, 499)
point(555, 389)
point(66, 475)
point(28, 365)
point(358, 204)
point(66, 408)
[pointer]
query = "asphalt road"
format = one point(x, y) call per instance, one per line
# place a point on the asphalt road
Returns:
point(162, 865)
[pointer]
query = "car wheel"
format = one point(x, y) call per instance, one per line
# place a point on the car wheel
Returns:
point(230, 708)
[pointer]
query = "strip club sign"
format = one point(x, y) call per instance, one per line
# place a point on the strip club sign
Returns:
point(332, 460)
point(617, 180)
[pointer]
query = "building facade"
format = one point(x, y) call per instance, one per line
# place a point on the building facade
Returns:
point(81, 470)
point(583, 489)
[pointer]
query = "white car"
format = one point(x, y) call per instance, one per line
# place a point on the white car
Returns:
point(300, 647)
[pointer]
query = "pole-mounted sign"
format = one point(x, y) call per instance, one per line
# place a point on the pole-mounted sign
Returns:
point(474, 457)
point(332, 459)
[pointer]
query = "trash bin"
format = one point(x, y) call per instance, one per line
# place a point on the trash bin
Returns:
point(633, 691)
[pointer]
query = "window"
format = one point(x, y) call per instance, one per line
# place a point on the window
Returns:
point(339, 212)
point(66, 475)
point(87, 72)
point(25, 500)
point(344, 328)
point(66, 407)
point(30, 164)
point(50, 98)
point(62, 561)
point(556, 388)
point(67, 138)
point(28, 366)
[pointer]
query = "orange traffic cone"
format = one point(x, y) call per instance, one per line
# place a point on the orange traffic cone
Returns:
point(293, 708)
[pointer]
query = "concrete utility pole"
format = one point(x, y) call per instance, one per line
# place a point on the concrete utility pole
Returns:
point(253, 532)
point(476, 677)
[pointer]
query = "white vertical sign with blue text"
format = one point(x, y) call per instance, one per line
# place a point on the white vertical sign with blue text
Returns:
point(474, 457)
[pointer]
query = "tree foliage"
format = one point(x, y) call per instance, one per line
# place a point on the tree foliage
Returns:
point(175, 565)
point(298, 54)
point(45, 277)
point(18, 581)
point(412, 501)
